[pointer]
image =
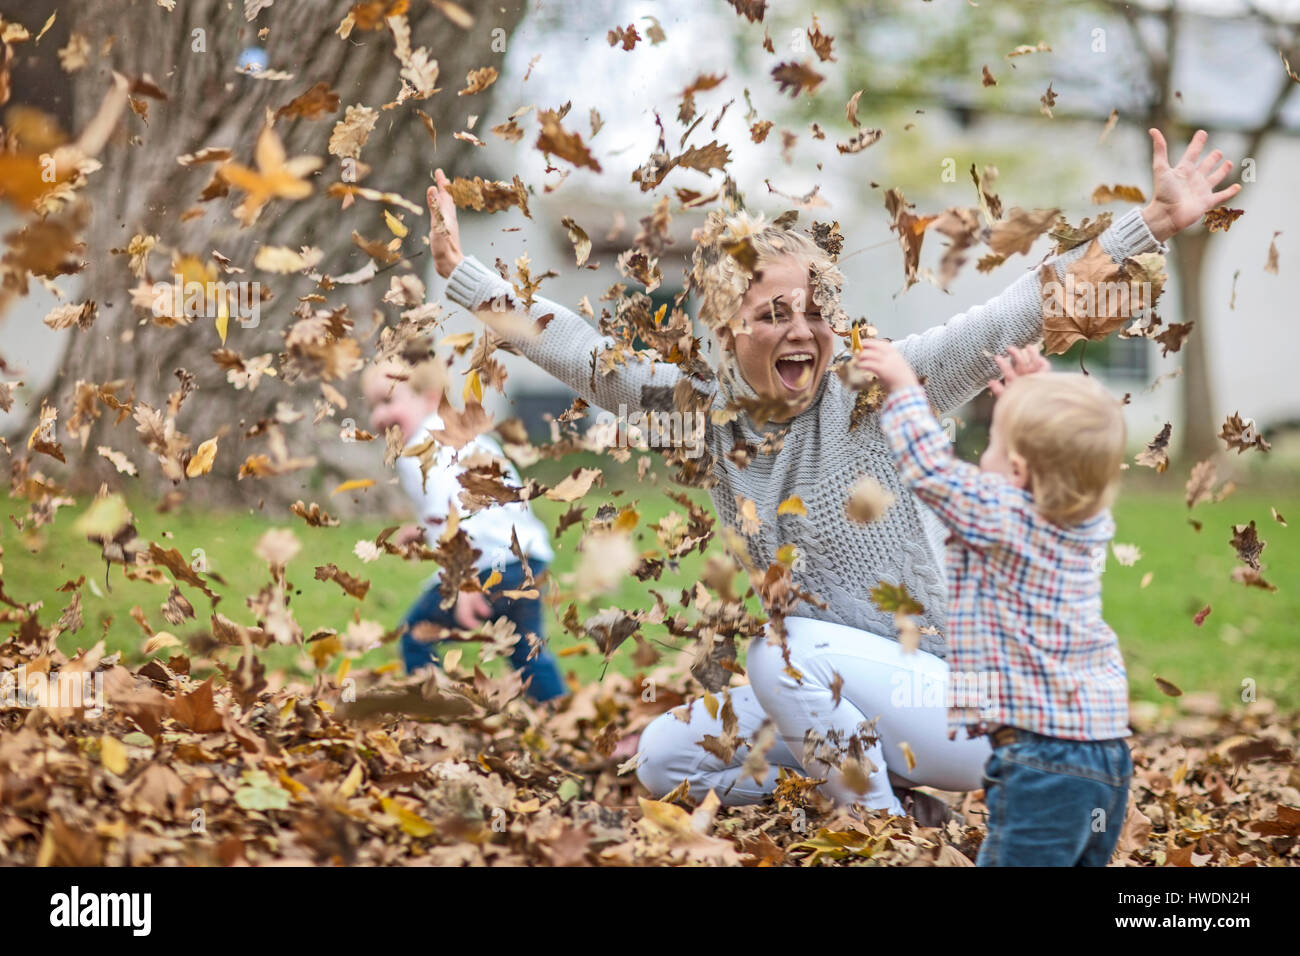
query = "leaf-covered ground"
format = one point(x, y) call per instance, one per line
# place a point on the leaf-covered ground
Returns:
point(464, 771)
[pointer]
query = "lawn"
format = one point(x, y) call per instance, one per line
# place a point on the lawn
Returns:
point(1248, 634)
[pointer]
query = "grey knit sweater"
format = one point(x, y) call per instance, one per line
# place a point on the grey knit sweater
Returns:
point(821, 458)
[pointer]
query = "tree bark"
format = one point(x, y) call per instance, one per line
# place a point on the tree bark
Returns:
point(1198, 440)
point(143, 190)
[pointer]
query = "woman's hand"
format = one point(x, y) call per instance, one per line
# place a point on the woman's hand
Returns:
point(1026, 361)
point(444, 236)
point(884, 361)
point(1182, 194)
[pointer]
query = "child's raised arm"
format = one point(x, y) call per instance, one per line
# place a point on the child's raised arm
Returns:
point(972, 503)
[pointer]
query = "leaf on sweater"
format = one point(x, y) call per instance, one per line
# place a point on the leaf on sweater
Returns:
point(1093, 300)
point(894, 599)
point(868, 500)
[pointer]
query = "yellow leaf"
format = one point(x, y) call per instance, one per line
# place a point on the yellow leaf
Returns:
point(786, 554)
point(322, 650)
point(856, 339)
point(493, 580)
point(627, 519)
point(113, 755)
point(792, 506)
point(45, 29)
point(460, 341)
point(473, 388)
point(352, 484)
point(711, 705)
point(223, 323)
point(344, 667)
point(159, 641)
point(411, 823)
point(910, 757)
point(351, 781)
point(452, 525)
point(396, 225)
point(290, 784)
point(201, 462)
point(104, 518)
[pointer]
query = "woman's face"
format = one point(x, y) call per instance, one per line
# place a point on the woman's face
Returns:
point(789, 345)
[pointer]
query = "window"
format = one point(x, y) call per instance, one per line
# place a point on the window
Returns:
point(1123, 359)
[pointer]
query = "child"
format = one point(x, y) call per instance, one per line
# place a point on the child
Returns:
point(410, 399)
point(1029, 528)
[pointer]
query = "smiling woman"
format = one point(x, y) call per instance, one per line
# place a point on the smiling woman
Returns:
point(788, 345)
point(827, 673)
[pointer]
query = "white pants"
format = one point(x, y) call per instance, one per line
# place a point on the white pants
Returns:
point(906, 694)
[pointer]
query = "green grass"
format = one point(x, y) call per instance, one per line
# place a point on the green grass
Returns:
point(1248, 634)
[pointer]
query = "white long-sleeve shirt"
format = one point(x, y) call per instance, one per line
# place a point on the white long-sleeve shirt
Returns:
point(489, 528)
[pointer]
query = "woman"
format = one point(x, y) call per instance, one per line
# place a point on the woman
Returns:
point(846, 685)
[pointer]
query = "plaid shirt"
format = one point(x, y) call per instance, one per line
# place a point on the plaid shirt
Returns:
point(1028, 644)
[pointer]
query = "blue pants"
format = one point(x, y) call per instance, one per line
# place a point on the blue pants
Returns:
point(526, 614)
point(1055, 802)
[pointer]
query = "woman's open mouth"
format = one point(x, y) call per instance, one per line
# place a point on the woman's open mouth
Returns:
point(795, 370)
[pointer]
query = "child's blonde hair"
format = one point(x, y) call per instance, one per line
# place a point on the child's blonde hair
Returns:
point(1071, 433)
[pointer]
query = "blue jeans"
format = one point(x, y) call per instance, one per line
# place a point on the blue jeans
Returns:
point(526, 614)
point(1055, 802)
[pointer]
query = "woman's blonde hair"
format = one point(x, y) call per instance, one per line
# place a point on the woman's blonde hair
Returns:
point(1071, 433)
point(719, 278)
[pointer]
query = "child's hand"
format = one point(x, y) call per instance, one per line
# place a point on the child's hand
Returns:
point(408, 534)
point(1026, 361)
point(472, 609)
point(1181, 195)
point(884, 361)
point(444, 235)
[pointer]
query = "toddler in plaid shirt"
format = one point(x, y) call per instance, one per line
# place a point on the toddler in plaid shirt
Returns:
point(1029, 530)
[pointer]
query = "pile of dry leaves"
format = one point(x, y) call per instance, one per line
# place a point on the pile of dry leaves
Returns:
point(371, 769)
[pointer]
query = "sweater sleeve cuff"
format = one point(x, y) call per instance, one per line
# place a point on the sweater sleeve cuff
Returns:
point(1131, 236)
point(467, 282)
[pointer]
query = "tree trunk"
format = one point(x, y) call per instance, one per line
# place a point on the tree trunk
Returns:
point(143, 190)
point(1198, 440)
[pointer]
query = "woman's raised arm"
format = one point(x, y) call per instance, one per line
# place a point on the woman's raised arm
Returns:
point(567, 347)
point(957, 358)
